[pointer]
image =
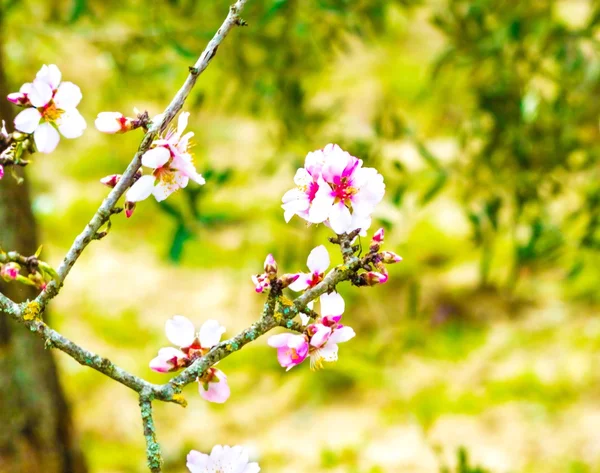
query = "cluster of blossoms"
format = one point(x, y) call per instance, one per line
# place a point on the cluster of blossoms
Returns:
point(320, 339)
point(335, 189)
point(181, 332)
point(50, 108)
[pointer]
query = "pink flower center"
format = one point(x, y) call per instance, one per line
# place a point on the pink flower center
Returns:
point(315, 279)
point(342, 190)
point(293, 354)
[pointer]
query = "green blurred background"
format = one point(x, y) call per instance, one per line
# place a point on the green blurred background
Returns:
point(482, 115)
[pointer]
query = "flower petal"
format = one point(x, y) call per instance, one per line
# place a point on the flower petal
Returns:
point(46, 138)
point(329, 352)
point(71, 124)
point(50, 75)
point(141, 189)
point(210, 333)
point(67, 96)
point(341, 335)
point(156, 157)
point(180, 331)
point(40, 93)
point(197, 462)
point(28, 120)
point(332, 304)
point(218, 391)
point(301, 283)
point(321, 335)
point(279, 340)
point(340, 218)
point(318, 260)
point(182, 122)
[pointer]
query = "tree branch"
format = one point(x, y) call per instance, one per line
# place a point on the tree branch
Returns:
point(104, 211)
point(153, 455)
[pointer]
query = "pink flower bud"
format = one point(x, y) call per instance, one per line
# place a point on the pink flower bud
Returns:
point(111, 181)
point(288, 279)
point(378, 236)
point(261, 283)
point(113, 122)
point(129, 208)
point(1, 171)
point(18, 98)
point(270, 265)
point(372, 278)
point(389, 257)
point(9, 271)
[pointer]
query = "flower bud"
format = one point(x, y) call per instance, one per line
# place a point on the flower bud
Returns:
point(261, 283)
point(9, 271)
point(288, 279)
point(113, 122)
point(19, 99)
point(378, 236)
point(270, 266)
point(377, 240)
point(1, 171)
point(372, 278)
point(129, 208)
point(389, 257)
point(111, 181)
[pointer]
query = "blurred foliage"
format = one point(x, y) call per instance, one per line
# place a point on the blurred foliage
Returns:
point(529, 137)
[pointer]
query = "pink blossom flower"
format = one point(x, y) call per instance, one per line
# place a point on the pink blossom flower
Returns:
point(318, 261)
point(168, 359)
point(291, 349)
point(334, 188)
point(213, 386)
point(51, 106)
point(171, 163)
point(113, 122)
point(1, 171)
point(221, 460)
point(9, 271)
point(326, 334)
point(181, 332)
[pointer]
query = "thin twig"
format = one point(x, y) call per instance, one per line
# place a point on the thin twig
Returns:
point(104, 211)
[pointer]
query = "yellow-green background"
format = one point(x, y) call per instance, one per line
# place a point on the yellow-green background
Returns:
point(439, 361)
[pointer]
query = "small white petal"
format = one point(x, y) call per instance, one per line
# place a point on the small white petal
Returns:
point(156, 157)
point(50, 75)
point(341, 335)
point(67, 96)
point(210, 333)
point(318, 260)
point(182, 122)
point(28, 120)
point(141, 189)
point(71, 124)
point(46, 138)
point(40, 93)
point(180, 331)
point(332, 304)
point(340, 218)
